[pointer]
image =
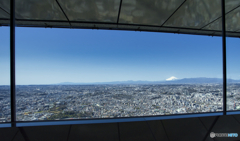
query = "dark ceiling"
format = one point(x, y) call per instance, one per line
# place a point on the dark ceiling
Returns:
point(200, 17)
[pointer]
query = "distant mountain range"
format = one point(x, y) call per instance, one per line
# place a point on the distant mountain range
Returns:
point(175, 81)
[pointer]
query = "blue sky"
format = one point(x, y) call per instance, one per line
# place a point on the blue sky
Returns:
point(48, 56)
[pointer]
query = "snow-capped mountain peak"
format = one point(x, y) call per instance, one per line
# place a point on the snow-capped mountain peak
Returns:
point(171, 78)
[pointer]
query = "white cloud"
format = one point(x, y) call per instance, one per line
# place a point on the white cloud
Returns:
point(171, 78)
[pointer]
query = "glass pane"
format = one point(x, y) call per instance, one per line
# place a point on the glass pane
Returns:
point(233, 74)
point(38, 10)
point(85, 74)
point(150, 12)
point(5, 110)
point(85, 10)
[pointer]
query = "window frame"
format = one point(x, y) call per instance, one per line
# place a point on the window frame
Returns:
point(15, 123)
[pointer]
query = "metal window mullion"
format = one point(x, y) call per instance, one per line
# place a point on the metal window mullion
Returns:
point(224, 58)
point(12, 63)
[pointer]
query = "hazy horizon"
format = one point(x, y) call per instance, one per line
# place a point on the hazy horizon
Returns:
point(122, 82)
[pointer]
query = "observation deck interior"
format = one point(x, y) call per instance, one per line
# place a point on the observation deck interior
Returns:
point(195, 17)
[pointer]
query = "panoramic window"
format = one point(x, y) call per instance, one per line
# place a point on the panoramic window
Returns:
point(5, 110)
point(233, 75)
point(232, 49)
point(86, 74)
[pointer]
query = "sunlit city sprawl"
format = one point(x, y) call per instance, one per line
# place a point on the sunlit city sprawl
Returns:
point(61, 102)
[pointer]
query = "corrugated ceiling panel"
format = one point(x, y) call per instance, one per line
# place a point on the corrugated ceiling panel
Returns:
point(91, 10)
point(4, 15)
point(195, 14)
point(5, 4)
point(38, 10)
point(147, 12)
point(232, 22)
point(135, 15)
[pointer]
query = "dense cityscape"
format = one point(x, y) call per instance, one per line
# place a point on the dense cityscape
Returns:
point(61, 102)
